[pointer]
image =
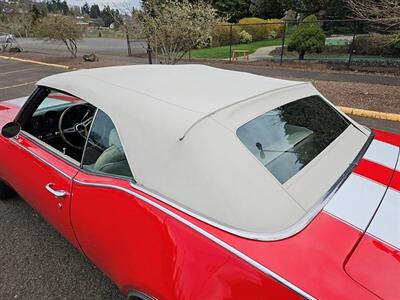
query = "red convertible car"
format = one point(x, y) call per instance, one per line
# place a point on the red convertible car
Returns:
point(190, 182)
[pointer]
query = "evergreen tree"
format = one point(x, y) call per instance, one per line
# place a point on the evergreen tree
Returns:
point(267, 9)
point(85, 9)
point(308, 37)
point(94, 11)
point(234, 10)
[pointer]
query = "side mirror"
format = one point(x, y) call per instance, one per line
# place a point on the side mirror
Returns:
point(11, 129)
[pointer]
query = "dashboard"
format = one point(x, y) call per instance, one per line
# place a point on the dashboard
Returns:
point(44, 125)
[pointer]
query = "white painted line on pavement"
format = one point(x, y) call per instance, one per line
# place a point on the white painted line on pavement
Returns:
point(17, 85)
point(17, 71)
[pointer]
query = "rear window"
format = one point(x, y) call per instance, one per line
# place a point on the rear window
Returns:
point(287, 138)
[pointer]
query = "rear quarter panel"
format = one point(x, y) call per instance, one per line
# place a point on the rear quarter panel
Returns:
point(142, 248)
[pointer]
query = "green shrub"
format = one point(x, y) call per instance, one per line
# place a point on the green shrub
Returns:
point(276, 26)
point(377, 44)
point(221, 34)
point(245, 37)
point(256, 27)
point(309, 37)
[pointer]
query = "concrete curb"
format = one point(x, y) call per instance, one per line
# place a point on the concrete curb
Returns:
point(370, 114)
point(37, 62)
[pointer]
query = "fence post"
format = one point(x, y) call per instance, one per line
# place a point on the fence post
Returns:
point(149, 50)
point(352, 43)
point(128, 43)
point(283, 42)
point(230, 43)
point(190, 54)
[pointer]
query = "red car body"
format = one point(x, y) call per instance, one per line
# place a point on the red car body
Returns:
point(148, 247)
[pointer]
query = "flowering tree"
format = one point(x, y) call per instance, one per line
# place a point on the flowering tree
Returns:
point(176, 26)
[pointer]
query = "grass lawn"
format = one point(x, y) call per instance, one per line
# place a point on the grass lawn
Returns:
point(223, 51)
point(105, 33)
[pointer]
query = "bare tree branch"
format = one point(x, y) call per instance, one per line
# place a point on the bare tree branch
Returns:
point(384, 13)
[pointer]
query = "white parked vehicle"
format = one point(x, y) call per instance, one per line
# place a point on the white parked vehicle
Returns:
point(9, 43)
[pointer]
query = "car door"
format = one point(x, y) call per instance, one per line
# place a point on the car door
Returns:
point(114, 228)
point(43, 180)
point(41, 175)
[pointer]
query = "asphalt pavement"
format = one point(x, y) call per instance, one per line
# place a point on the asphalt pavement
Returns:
point(18, 79)
point(35, 261)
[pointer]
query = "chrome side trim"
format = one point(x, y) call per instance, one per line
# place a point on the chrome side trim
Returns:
point(300, 225)
point(140, 295)
point(15, 142)
point(50, 149)
point(290, 231)
point(216, 240)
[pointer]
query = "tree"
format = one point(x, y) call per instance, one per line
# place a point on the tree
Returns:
point(306, 6)
point(267, 9)
point(60, 28)
point(16, 17)
point(106, 16)
point(85, 9)
point(308, 37)
point(233, 10)
point(110, 16)
point(56, 6)
point(338, 10)
point(383, 13)
point(176, 26)
point(94, 11)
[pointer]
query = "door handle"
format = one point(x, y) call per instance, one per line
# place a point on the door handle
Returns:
point(56, 193)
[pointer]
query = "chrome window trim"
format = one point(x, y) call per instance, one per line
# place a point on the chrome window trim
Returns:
point(15, 142)
point(292, 230)
point(300, 225)
point(213, 238)
point(50, 149)
point(87, 139)
point(90, 172)
point(265, 270)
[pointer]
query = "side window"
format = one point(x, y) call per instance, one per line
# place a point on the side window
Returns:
point(59, 121)
point(104, 153)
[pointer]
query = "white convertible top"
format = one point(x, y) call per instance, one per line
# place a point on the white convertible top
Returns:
point(192, 91)
point(178, 125)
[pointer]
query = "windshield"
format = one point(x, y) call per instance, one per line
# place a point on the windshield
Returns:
point(289, 137)
point(56, 101)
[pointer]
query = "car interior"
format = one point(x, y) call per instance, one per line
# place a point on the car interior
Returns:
point(55, 120)
point(64, 123)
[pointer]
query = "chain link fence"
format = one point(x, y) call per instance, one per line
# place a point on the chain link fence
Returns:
point(345, 42)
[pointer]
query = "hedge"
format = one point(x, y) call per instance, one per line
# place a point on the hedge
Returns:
point(256, 27)
point(377, 44)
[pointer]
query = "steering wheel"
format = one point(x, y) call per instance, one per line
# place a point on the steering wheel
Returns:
point(77, 120)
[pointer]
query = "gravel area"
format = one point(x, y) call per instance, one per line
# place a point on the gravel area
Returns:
point(376, 97)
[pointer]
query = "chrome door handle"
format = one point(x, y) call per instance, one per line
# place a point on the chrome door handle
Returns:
point(56, 193)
